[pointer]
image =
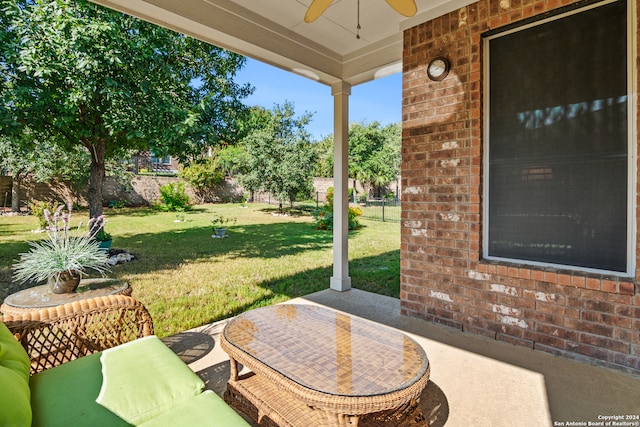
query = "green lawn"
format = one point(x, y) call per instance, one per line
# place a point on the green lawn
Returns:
point(186, 278)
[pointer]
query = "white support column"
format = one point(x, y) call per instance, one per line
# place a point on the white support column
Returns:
point(340, 281)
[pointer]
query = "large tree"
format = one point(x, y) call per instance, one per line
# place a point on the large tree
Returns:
point(374, 153)
point(79, 75)
point(381, 165)
point(280, 158)
point(28, 157)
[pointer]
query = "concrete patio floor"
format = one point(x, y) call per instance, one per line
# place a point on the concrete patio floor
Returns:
point(475, 381)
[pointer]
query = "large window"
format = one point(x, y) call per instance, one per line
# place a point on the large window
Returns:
point(557, 126)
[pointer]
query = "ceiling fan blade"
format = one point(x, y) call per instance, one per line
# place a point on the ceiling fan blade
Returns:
point(404, 7)
point(316, 9)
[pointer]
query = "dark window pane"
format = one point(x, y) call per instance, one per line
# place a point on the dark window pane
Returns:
point(558, 141)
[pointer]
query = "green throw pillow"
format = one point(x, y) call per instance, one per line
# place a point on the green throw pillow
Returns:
point(15, 395)
point(144, 378)
point(203, 410)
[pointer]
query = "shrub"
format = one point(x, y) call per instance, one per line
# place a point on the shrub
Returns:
point(102, 236)
point(118, 204)
point(203, 175)
point(78, 207)
point(173, 198)
point(324, 216)
point(354, 213)
point(38, 208)
point(220, 221)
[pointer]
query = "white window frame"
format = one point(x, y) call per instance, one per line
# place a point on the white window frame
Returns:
point(632, 142)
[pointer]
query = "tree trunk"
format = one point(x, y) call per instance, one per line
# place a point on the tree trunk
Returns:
point(355, 189)
point(96, 178)
point(15, 193)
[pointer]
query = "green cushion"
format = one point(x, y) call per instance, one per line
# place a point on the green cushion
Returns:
point(15, 409)
point(66, 396)
point(204, 410)
point(12, 354)
point(144, 378)
point(147, 384)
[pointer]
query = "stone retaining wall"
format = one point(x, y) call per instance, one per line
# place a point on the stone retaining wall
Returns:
point(142, 190)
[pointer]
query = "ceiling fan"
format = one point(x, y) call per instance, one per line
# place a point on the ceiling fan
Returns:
point(317, 8)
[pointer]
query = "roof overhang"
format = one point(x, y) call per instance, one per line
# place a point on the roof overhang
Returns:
point(273, 32)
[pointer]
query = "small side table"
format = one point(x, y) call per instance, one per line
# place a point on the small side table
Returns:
point(41, 296)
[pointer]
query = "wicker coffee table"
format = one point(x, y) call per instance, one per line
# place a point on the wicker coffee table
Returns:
point(312, 366)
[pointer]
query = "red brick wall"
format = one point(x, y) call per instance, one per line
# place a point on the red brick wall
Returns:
point(443, 276)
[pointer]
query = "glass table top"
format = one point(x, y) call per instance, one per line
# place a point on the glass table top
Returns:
point(41, 296)
point(329, 351)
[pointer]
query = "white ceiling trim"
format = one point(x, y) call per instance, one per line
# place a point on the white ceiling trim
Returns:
point(238, 23)
point(377, 60)
point(274, 32)
point(228, 25)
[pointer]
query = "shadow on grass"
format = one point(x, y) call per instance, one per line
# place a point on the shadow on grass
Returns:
point(11, 229)
point(378, 274)
point(148, 211)
point(10, 253)
point(168, 249)
point(274, 242)
point(131, 212)
point(288, 211)
point(265, 241)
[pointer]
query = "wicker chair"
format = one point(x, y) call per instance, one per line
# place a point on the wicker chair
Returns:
point(56, 335)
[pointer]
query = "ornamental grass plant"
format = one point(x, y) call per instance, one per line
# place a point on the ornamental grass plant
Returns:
point(64, 250)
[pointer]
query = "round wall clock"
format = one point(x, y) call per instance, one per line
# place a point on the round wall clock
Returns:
point(438, 68)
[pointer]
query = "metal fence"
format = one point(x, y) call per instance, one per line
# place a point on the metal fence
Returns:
point(310, 204)
point(376, 209)
point(383, 209)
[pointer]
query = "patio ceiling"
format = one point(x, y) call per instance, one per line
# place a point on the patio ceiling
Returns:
point(273, 31)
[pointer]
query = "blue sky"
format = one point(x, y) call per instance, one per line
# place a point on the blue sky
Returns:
point(378, 100)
